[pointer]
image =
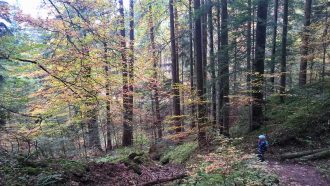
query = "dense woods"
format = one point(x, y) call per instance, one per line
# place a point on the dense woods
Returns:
point(86, 79)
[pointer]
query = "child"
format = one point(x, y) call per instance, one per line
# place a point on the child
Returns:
point(262, 147)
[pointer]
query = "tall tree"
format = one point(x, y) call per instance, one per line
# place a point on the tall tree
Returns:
point(108, 99)
point(219, 79)
point(199, 75)
point(248, 55)
point(175, 72)
point(191, 60)
point(224, 67)
point(131, 66)
point(248, 44)
point(258, 65)
point(204, 42)
point(127, 138)
point(272, 61)
point(155, 74)
point(305, 43)
point(212, 65)
point(284, 53)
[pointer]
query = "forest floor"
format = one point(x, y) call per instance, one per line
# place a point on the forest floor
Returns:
point(295, 174)
point(120, 174)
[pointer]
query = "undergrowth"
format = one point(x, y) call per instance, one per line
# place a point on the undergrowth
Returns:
point(39, 172)
point(119, 155)
point(180, 153)
point(228, 166)
point(303, 117)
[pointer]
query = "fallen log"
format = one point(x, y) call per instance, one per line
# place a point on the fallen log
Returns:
point(301, 153)
point(163, 180)
point(316, 156)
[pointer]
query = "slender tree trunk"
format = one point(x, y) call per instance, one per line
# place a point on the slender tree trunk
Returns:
point(127, 138)
point(258, 65)
point(199, 76)
point(284, 53)
point(272, 62)
point(108, 100)
point(248, 45)
point(94, 141)
point(204, 45)
point(305, 43)
point(155, 74)
point(224, 57)
point(131, 68)
point(191, 60)
point(235, 70)
point(212, 64)
point(324, 45)
point(220, 83)
point(175, 74)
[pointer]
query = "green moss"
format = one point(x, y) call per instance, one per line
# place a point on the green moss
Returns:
point(119, 155)
point(72, 166)
point(180, 154)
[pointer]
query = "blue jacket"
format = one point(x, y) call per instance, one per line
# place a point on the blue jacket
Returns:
point(262, 146)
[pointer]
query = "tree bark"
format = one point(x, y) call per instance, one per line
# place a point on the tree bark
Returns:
point(224, 58)
point(273, 56)
point(305, 43)
point(258, 65)
point(199, 76)
point(155, 74)
point(204, 44)
point(300, 154)
point(175, 74)
point(219, 82)
point(163, 180)
point(127, 138)
point(212, 65)
point(108, 100)
point(320, 155)
point(284, 53)
point(191, 60)
point(248, 45)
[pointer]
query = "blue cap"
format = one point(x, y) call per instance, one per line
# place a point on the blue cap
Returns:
point(262, 136)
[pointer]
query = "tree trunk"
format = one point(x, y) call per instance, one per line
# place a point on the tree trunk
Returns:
point(292, 155)
point(248, 46)
point(204, 45)
point(127, 138)
point(175, 74)
point(199, 76)
point(94, 141)
point(258, 65)
point(224, 58)
point(283, 55)
point(191, 60)
point(235, 70)
point(320, 155)
point(272, 62)
point(155, 74)
point(108, 100)
point(305, 43)
point(212, 64)
point(219, 82)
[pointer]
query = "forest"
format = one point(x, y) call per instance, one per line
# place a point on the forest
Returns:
point(164, 92)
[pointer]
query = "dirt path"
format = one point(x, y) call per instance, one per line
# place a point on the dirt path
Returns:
point(297, 175)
